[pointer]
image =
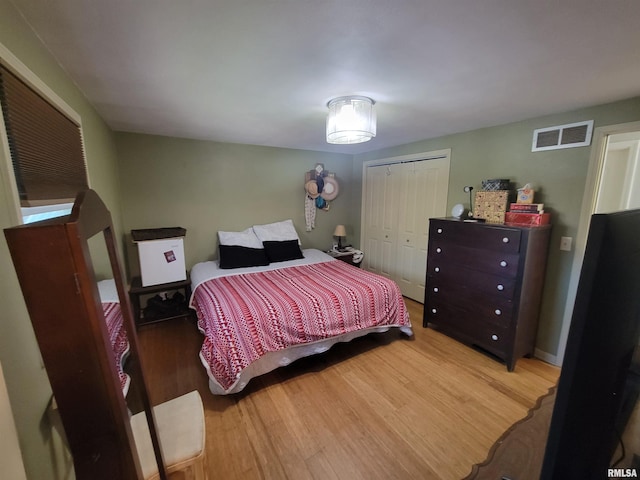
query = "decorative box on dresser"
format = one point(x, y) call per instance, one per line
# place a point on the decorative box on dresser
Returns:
point(484, 284)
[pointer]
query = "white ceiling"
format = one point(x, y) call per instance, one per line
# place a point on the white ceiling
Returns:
point(261, 71)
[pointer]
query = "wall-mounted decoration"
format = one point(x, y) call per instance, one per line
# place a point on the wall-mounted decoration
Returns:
point(321, 187)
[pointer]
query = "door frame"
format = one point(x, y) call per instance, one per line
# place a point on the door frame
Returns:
point(594, 174)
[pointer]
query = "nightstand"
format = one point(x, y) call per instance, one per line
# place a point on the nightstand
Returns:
point(174, 305)
point(346, 257)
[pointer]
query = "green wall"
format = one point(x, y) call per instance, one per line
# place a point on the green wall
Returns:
point(27, 383)
point(558, 176)
point(208, 186)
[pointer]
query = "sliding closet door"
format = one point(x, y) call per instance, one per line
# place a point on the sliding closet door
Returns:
point(399, 200)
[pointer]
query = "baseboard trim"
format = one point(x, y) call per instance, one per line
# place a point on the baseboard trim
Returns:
point(547, 357)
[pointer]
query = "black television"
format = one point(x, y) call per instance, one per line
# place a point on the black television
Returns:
point(598, 382)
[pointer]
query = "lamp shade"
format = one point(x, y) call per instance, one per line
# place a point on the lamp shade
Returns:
point(351, 120)
point(340, 231)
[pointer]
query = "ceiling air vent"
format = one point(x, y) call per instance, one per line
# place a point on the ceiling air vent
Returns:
point(562, 136)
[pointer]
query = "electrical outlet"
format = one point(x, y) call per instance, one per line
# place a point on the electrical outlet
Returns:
point(565, 243)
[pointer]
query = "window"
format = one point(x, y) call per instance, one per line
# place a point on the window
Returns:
point(46, 149)
point(35, 214)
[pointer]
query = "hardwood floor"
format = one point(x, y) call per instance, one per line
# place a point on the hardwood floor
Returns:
point(380, 407)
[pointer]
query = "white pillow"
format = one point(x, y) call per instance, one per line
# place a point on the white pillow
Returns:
point(278, 231)
point(246, 238)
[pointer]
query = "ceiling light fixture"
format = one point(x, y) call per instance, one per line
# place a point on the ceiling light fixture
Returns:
point(351, 119)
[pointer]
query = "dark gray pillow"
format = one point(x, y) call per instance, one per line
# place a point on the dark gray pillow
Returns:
point(283, 250)
point(236, 256)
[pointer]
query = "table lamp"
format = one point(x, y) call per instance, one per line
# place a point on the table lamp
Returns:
point(340, 232)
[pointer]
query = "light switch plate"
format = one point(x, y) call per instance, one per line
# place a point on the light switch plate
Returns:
point(565, 243)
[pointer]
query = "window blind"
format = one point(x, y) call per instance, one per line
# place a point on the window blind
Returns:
point(45, 145)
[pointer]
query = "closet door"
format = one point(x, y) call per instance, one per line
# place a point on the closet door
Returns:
point(380, 230)
point(399, 200)
point(423, 195)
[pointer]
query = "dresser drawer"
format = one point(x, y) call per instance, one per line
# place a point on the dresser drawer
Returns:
point(476, 235)
point(468, 303)
point(453, 276)
point(452, 319)
point(496, 262)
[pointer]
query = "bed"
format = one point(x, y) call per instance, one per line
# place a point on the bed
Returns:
point(115, 327)
point(255, 319)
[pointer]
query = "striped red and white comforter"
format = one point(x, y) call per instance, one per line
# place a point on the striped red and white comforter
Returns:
point(118, 338)
point(269, 315)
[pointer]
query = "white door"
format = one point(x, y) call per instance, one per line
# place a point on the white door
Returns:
point(399, 199)
point(381, 205)
point(423, 195)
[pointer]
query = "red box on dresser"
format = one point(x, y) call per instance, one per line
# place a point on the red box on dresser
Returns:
point(527, 219)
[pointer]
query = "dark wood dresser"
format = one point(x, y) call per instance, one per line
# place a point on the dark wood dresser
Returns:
point(484, 284)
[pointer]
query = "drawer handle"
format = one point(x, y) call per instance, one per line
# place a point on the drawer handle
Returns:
point(436, 289)
point(437, 269)
point(500, 287)
point(439, 230)
point(433, 310)
point(498, 311)
point(505, 239)
point(494, 337)
point(503, 263)
point(438, 250)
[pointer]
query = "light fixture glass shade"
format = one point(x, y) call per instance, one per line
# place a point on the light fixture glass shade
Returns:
point(351, 120)
point(340, 231)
